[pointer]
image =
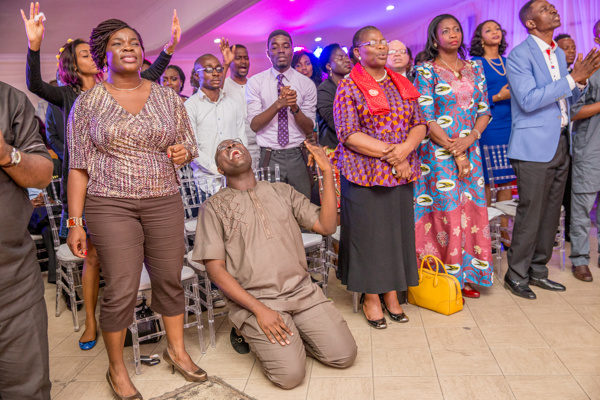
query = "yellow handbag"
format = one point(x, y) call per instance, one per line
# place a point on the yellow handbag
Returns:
point(437, 291)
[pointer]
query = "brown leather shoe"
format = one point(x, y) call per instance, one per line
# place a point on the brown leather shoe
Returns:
point(582, 272)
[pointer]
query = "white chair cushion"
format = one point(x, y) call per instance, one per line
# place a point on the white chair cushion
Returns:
point(311, 239)
point(194, 264)
point(64, 254)
point(508, 207)
point(190, 226)
point(186, 273)
point(493, 213)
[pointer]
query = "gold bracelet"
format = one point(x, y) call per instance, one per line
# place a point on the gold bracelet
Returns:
point(461, 157)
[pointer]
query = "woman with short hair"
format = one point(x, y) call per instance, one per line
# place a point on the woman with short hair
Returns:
point(379, 124)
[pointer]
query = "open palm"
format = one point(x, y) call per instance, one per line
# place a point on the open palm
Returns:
point(34, 29)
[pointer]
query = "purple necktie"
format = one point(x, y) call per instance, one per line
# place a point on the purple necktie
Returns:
point(283, 136)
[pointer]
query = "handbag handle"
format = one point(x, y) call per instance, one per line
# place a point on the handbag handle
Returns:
point(438, 262)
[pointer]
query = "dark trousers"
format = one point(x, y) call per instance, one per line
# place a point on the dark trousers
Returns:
point(292, 167)
point(24, 355)
point(128, 233)
point(541, 188)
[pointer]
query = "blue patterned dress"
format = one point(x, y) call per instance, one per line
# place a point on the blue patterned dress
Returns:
point(451, 220)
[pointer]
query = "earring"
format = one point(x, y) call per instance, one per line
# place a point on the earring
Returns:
point(482, 43)
point(105, 69)
point(435, 45)
point(359, 58)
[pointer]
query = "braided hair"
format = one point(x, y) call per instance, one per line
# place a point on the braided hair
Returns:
point(67, 65)
point(100, 36)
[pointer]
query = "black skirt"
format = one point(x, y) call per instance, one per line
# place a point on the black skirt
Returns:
point(377, 242)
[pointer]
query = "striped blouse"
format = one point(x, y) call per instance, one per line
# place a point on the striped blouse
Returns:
point(125, 155)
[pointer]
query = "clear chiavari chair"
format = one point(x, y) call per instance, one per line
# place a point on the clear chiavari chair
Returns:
point(497, 161)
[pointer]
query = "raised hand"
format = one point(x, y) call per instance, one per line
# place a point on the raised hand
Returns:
point(585, 67)
point(228, 53)
point(318, 155)
point(33, 28)
point(175, 33)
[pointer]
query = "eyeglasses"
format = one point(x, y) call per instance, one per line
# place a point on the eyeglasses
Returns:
point(401, 51)
point(374, 43)
point(230, 143)
point(210, 70)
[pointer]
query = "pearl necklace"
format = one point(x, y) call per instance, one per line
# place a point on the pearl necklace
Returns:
point(383, 77)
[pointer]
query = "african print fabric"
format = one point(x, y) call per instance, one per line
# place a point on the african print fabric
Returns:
point(450, 213)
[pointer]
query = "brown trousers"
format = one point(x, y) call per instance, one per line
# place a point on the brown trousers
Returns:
point(320, 330)
point(128, 233)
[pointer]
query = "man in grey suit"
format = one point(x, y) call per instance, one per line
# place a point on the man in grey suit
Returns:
point(541, 93)
point(586, 164)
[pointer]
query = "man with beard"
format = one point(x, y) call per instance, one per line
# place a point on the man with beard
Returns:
point(281, 110)
point(236, 60)
point(541, 93)
point(214, 115)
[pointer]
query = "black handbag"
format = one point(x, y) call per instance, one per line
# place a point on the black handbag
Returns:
point(145, 328)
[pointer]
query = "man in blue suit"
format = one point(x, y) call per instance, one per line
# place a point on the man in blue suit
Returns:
point(541, 93)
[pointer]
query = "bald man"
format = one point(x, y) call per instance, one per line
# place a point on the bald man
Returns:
point(398, 57)
point(214, 115)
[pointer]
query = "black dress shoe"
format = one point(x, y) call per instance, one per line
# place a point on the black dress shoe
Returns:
point(547, 284)
point(519, 289)
point(238, 343)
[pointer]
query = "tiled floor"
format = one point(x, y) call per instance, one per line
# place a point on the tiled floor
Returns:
point(498, 347)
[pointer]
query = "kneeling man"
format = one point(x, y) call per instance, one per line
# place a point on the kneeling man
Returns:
point(248, 237)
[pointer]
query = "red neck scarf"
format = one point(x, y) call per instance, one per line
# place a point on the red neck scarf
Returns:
point(373, 92)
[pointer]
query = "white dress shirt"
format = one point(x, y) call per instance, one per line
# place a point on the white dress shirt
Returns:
point(238, 92)
point(261, 93)
point(552, 63)
point(212, 123)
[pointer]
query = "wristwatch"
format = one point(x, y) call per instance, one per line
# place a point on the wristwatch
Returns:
point(166, 46)
point(15, 159)
point(297, 110)
point(72, 222)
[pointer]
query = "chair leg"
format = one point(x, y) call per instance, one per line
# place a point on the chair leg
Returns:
point(210, 310)
point(59, 278)
point(198, 312)
point(135, 343)
point(72, 295)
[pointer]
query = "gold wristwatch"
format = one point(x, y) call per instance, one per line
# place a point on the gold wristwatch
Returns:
point(15, 158)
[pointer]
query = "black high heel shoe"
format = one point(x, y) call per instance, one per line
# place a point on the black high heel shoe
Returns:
point(377, 324)
point(402, 317)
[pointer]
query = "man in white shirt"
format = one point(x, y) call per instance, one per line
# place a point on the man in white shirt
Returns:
point(214, 115)
point(281, 110)
point(235, 85)
point(398, 57)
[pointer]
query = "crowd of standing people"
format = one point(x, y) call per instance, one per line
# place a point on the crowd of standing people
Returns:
point(398, 144)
